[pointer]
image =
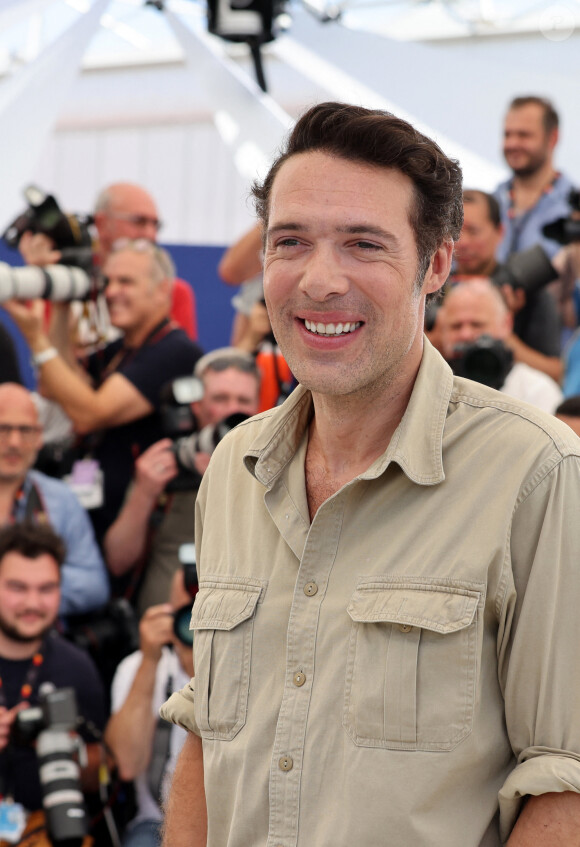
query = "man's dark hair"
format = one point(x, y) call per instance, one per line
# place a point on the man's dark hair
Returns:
point(378, 138)
point(32, 540)
point(570, 407)
point(550, 117)
point(473, 195)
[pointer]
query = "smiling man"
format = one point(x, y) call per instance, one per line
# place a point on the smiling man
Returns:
point(536, 193)
point(123, 400)
point(384, 637)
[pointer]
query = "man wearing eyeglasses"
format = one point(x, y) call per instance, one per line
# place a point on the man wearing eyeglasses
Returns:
point(122, 210)
point(28, 495)
point(121, 404)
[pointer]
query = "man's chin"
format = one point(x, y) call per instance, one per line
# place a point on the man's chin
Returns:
point(25, 635)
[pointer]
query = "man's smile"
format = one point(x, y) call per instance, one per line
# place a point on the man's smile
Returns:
point(331, 329)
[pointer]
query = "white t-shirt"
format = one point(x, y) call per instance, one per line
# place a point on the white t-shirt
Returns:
point(147, 806)
point(532, 386)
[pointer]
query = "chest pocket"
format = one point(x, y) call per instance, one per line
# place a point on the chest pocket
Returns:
point(412, 663)
point(223, 623)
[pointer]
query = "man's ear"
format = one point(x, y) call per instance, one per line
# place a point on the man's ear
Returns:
point(439, 268)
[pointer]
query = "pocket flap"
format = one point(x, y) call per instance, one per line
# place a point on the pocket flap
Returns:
point(224, 605)
point(440, 608)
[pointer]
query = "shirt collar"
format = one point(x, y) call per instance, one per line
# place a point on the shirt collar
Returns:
point(416, 445)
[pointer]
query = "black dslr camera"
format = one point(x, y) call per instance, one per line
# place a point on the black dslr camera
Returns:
point(75, 277)
point(529, 269)
point(566, 230)
point(70, 233)
point(179, 423)
point(486, 360)
point(52, 725)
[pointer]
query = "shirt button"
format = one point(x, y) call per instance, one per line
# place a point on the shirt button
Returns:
point(299, 679)
point(286, 763)
point(404, 627)
point(310, 589)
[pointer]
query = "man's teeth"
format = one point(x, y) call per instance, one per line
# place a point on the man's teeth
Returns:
point(331, 329)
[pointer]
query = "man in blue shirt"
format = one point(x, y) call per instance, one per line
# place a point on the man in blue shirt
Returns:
point(536, 194)
point(27, 494)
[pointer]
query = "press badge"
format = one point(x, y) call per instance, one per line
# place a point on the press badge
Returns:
point(86, 480)
point(12, 821)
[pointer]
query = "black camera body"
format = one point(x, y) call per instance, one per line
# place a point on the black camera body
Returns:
point(486, 360)
point(566, 230)
point(52, 725)
point(75, 277)
point(529, 269)
point(70, 233)
point(180, 425)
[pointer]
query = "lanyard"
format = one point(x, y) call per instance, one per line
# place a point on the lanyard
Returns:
point(127, 354)
point(30, 679)
point(519, 220)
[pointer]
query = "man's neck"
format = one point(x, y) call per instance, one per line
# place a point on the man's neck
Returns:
point(528, 188)
point(18, 650)
point(8, 491)
point(135, 338)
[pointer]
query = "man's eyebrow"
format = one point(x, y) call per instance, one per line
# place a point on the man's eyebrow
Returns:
point(370, 229)
point(354, 229)
point(285, 227)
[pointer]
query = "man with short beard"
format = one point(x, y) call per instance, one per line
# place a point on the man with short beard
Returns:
point(33, 658)
point(536, 194)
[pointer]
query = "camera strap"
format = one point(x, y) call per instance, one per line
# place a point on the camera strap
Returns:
point(160, 750)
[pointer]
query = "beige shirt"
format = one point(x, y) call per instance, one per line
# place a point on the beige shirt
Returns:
point(404, 668)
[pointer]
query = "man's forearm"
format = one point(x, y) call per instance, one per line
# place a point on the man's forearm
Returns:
point(550, 365)
point(60, 383)
point(185, 813)
point(549, 820)
point(126, 538)
point(130, 731)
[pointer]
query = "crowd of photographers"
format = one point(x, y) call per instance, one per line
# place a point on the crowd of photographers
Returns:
point(95, 598)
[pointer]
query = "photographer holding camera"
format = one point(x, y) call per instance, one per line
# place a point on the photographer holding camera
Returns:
point(144, 746)
point(35, 661)
point(536, 324)
point(154, 523)
point(472, 316)
point(121, 405)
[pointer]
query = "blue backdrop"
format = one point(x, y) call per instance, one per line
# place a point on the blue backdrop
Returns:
point(195, 264)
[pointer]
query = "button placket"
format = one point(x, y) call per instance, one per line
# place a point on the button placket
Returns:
point(315, 567)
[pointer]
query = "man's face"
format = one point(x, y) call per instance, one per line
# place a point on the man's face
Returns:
point(340, 274)
point(225, 393)
point(29, 595)
point(526, 145)
point(475, 249)
point(468, 314)
point(131, 214)
point(133, 298)
point(20, 433)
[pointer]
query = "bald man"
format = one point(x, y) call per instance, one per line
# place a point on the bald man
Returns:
point(475, 308)
point(27, 494)
point(126, 210)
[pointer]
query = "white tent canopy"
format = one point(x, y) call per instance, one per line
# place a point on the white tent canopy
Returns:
point(187, 120)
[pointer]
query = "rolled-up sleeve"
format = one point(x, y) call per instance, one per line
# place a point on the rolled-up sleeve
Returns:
point(178, 709)
point(539, 642)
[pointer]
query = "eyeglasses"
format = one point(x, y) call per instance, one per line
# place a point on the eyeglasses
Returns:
point(27, 433)
point(140, 221)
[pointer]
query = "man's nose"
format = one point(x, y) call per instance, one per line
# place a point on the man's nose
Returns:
point(324, 275)
point(15, 437)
